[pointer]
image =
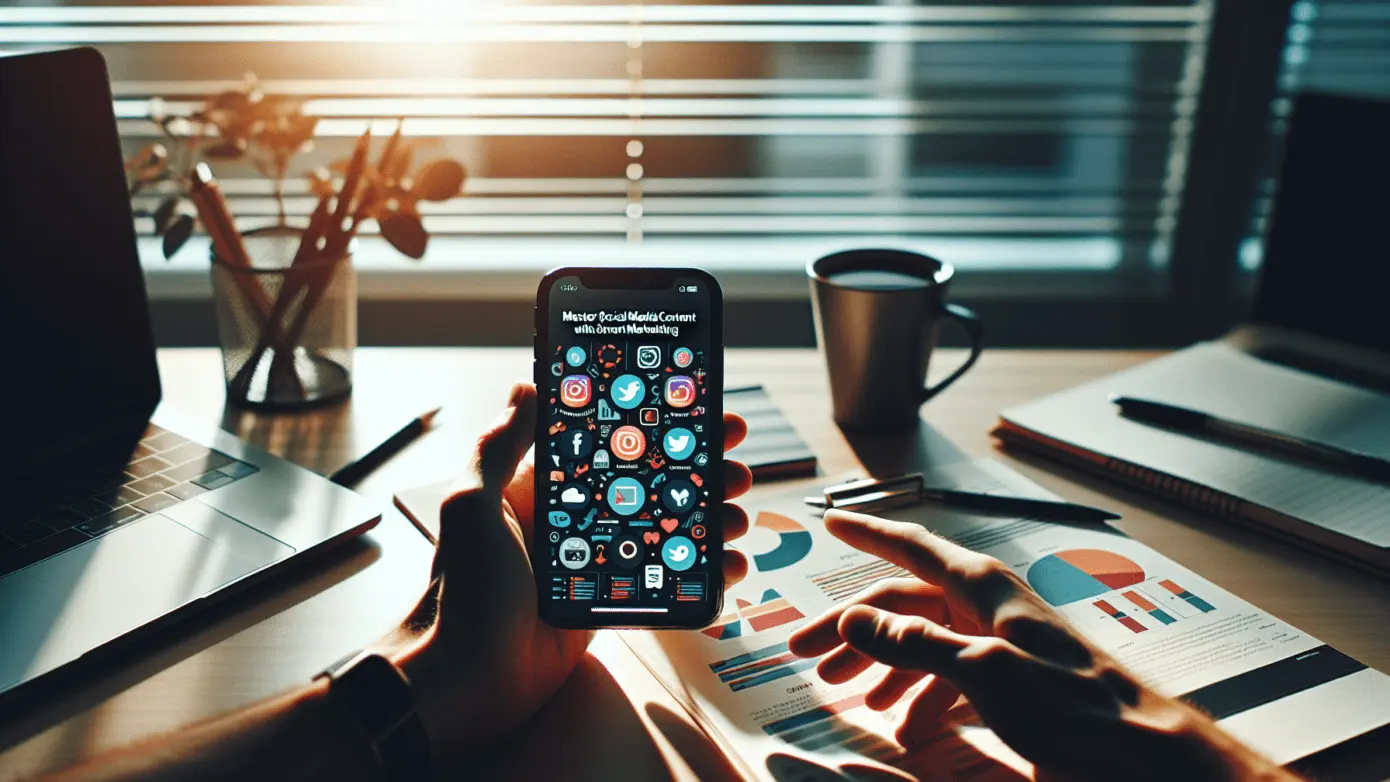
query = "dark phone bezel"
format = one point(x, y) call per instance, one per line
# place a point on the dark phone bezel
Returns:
point(637, 279)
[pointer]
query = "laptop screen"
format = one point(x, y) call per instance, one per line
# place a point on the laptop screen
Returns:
point(79, 356)
point(1327, 251)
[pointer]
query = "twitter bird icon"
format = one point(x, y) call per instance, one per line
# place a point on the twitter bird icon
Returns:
point(628, 391)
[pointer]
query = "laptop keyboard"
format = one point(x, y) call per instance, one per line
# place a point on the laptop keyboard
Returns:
point(164, 470)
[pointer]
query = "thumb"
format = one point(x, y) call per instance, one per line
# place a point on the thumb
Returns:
point(907, 642)
point(478, 492)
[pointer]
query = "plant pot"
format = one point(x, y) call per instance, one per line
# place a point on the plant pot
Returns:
point(287, 329)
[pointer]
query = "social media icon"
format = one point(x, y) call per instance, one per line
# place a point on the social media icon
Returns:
point(649, 416)
point(575, 390)
point(606, 413)
point(575, 496)
point(574, 553)
point(575, 356)
point(557, 369)
point(678, 553)
point(588, 519)
point(701, 459)
point(678, 495)
point(575, 444)
point(625, 496)
point(601, 459)
point(628, 443)
point(554, 537)
point(648, 357)
point(679, 443)
point(683, 357)
point(652, 577)
point(680, 391)
point(559, 518)
point(629, 551)
point(628, 392)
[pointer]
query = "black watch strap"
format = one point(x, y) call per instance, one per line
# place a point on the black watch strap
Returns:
point(377, 697)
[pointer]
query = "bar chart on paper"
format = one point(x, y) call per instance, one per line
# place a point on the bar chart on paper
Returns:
point(759, 666)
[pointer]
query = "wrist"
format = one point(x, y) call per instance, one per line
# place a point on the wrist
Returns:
point(1183, 743)
point(411, 653)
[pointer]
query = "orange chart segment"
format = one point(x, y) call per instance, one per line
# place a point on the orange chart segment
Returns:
point(1106, 567)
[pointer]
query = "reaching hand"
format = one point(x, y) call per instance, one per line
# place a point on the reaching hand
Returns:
point(481, 659)
point(971, 626)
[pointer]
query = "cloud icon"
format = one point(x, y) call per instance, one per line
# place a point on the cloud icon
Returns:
point(572, 496)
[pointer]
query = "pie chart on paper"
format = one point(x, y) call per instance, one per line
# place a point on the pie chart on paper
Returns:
point(793, 542)
point(1076, 574)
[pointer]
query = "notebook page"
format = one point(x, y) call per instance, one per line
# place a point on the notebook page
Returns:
point(1220, 380)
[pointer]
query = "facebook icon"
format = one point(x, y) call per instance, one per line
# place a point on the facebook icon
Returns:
point(575, 444)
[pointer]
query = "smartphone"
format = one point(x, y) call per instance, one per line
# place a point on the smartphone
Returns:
point(629, 448)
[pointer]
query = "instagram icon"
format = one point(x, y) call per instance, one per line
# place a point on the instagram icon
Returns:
point(680, 391)
point(575, 391)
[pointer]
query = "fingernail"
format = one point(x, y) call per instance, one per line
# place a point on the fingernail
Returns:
point(515, 395)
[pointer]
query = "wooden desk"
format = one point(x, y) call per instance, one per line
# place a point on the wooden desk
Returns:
point(282, 632)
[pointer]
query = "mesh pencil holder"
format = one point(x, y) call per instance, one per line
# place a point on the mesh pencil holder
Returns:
point(287, 329)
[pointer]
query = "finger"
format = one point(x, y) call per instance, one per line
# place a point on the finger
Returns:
point(500, 450)
point(899, 595)
point(891, 688)
point(735, 567)
point(478, 492)
point(923, 718)
point(738, 479)
point(909, 545)
point(735, 429)
point(899, 641)
point(842, 665)
point(735, 521)
point(521, 492)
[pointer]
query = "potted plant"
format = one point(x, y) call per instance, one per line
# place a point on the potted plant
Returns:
point(285, 295)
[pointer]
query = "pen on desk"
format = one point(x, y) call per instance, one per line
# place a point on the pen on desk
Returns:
point(993, 504)
point(1197, 423)
point(353, 472)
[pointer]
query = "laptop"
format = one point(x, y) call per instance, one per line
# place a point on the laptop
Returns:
point(116, 517)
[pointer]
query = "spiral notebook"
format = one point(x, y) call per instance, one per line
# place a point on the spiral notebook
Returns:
point(1343, 516)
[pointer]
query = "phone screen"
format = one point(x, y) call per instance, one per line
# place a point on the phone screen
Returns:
point(629, 448)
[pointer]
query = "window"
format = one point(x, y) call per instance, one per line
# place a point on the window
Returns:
point(1337, 46)
point(1040, 146)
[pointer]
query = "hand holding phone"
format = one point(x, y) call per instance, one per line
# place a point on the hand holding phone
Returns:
point(629, 448)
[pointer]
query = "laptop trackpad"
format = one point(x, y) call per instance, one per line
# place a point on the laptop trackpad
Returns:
point(57, 610)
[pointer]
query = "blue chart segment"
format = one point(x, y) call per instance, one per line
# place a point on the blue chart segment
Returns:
point(1078, 574)
point(759, 667)
point(793, 542)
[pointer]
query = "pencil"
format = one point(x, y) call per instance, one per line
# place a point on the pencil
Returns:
point(353, 472)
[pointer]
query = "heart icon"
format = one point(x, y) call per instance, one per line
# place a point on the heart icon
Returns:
point(670, 525)
point(651, 537)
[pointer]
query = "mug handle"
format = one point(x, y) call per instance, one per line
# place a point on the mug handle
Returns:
point(976, 330)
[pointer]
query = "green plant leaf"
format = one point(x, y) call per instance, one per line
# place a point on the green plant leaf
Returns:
point(164, 214)
point(406, 233)
point(177, 234)
point(438, 181)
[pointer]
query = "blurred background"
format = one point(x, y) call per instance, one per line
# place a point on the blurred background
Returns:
point(1098, 172)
